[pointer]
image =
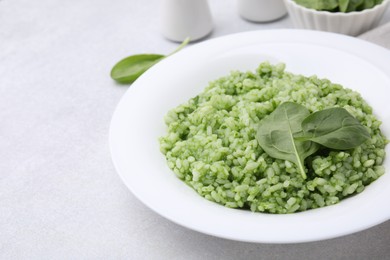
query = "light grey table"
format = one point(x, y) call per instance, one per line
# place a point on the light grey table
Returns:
point(60, 197)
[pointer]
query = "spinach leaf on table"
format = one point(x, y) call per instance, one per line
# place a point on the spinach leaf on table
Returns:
point(130, 68)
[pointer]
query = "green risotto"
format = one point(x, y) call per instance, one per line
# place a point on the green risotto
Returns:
point(211, 144)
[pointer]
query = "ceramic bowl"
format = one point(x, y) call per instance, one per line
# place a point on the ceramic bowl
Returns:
point(353, 23)
point(138, 123)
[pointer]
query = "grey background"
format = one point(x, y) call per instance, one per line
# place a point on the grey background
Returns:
point(60, 197)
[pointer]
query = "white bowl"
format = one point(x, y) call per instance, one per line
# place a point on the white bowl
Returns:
point(352, 23)
point(138, 122)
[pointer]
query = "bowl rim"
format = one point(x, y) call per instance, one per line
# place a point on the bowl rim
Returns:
point(223, 228)
point(377, 7)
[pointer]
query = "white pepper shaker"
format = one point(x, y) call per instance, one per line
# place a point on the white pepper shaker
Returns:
point(185, 18)
point(261, 10)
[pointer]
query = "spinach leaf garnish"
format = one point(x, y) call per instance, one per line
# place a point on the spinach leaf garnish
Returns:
point(334, 128)
point(291, 133)
point(276, 132)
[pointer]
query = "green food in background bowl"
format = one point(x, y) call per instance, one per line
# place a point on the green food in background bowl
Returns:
point(344, 6)
point(351, 17)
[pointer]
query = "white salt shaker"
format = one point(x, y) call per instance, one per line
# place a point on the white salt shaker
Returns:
point(261, 10)
point(185, 18)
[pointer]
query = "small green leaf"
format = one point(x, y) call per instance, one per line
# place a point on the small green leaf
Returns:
point(368, 4)
point(339, 5)
point(327, 5)
point(355, 5)
point(130, 68)
point(181, 46)
point(343, 5)
point(334, 128)
point(276, 132)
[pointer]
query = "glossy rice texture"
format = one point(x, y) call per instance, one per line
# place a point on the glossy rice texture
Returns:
point(211, 144)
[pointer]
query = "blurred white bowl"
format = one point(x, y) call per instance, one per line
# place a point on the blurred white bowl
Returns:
point(352, 23)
